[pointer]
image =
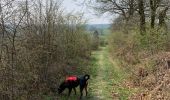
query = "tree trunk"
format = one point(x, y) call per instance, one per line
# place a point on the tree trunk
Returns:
point(154, 4)
point(142, 16)
point(162, 16)
point(153, 13)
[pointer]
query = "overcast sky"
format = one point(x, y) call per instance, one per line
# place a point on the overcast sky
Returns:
point(72, 6)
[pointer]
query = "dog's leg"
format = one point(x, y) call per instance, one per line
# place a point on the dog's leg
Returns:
point(86, 88)
point(81, 92)
point(75, 91)
point(70, 89)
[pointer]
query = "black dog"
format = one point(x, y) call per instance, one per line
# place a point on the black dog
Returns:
point(72, 82)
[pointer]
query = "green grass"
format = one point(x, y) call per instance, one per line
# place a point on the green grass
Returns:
point(108, 77)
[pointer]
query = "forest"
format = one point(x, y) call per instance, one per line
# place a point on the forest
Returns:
point(41, 44)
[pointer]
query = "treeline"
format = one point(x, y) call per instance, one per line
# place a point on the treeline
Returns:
point(141, 25)
point(153, 10)
point(39, 44)
point(141, 29)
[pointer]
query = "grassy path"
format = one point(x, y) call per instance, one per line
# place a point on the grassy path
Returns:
point(106, 78)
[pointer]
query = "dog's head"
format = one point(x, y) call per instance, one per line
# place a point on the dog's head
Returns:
point(61, 88)
point(86, 77)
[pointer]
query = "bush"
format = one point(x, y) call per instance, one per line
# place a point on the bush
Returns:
point(153, 41)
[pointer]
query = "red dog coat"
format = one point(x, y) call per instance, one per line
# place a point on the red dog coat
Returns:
point(71, 78)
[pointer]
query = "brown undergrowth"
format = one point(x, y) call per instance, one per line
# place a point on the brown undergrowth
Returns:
point(155, 85)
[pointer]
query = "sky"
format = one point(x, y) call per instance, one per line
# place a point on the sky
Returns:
point(89, 14)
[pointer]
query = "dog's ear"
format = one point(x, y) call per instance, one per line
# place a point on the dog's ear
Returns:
point(86, 77)
point(61, 88)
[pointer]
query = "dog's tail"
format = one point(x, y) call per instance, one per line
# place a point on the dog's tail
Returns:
point(86, 77)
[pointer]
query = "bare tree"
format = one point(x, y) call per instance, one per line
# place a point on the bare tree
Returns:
point(154, 4)
point(162, 16)
point(142, 15)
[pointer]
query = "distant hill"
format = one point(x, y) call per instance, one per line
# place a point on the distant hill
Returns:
point(92, 27)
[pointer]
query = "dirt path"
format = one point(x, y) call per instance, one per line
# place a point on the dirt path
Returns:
point(101, 86)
